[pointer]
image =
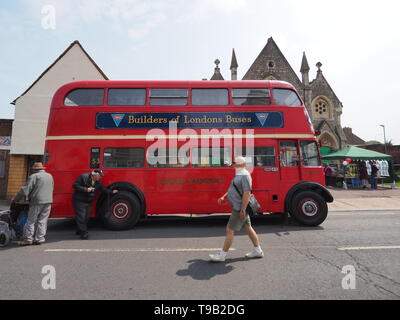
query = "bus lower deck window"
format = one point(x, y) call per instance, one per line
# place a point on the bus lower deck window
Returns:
point(123, 158)
point(167, 158)
point(211, 157)
point(288, 154)
point(258, 156)
point(309, 154)
point(95, 158)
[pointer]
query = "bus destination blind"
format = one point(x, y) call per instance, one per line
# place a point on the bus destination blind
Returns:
point(197, 120)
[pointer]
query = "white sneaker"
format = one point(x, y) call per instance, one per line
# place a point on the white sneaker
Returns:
point(217, 257)
point(255, 254)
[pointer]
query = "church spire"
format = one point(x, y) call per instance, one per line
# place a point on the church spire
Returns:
point(234, 66)
point(304, 64)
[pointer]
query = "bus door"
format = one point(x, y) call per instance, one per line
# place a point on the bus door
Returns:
point(289, 161)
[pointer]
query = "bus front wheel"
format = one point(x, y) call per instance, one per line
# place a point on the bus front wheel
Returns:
point(121, 212)
point(309, 208)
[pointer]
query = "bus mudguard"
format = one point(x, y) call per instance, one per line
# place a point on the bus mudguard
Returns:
point(307, 186)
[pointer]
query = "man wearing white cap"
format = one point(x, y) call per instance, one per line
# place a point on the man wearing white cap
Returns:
point(238, 196)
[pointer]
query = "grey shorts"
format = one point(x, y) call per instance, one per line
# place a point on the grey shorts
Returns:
point(236, 223)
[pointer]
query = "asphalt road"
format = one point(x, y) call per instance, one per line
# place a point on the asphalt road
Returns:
point(168, 259)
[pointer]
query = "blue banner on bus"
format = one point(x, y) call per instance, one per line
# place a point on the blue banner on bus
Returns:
point(195, 120)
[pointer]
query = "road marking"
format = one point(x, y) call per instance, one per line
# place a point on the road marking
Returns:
point(366, 213)
point(369, 248)
point(137, 250)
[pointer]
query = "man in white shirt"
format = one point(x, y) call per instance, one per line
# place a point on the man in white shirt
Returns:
point(238, 196)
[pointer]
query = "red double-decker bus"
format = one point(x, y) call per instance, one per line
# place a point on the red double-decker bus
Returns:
point(167, 147)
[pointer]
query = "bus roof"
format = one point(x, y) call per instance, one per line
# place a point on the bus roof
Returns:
point(175, 84)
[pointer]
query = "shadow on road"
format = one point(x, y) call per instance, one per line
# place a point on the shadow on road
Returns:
point(178, 227)
point(169, 227)
point(205, 270)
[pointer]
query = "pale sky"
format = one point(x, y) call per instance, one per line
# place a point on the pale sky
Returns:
point(357, 42)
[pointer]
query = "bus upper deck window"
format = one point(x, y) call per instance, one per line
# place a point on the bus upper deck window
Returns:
point(250, 97)
point(168, 97)
point(210, 97)
point(126, 97)
point(84, 97)
point(286, 97)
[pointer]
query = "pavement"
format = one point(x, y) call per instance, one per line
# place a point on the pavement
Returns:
point(347, 200)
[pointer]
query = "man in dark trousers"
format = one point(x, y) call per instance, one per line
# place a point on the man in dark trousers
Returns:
point(85, 188)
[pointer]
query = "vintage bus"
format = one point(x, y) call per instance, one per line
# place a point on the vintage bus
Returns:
point(167, 147)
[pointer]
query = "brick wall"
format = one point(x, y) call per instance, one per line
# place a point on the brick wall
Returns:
point(5, 130)
point(17, 173)
point(4, 156)
point(5, 127)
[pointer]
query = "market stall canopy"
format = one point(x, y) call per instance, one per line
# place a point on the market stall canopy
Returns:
point(355, 153)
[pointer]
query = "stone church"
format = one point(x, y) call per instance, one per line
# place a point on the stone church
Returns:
point(322, 104)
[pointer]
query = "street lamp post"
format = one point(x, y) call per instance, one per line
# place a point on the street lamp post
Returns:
point(384, 137)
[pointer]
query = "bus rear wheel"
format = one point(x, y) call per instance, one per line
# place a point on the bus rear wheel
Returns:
point(309, 208)
point(122, 212)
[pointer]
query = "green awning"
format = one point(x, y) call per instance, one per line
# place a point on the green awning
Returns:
point(355, 153)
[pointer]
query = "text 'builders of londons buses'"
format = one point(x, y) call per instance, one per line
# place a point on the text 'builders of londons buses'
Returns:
point(190, 120)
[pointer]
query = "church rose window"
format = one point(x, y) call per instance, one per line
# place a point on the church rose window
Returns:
point(286, 97)
point(321, 109)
